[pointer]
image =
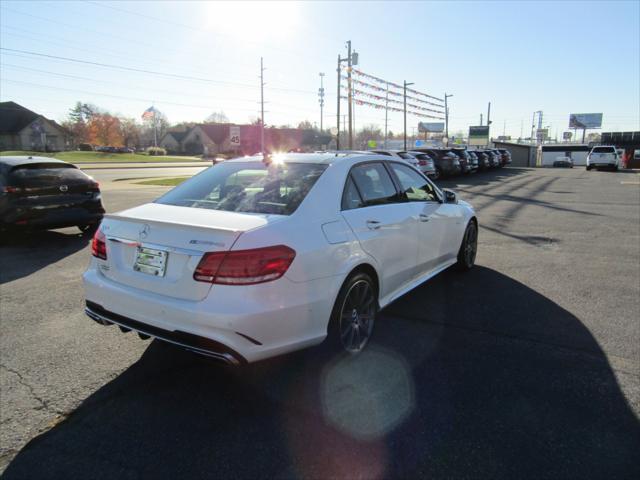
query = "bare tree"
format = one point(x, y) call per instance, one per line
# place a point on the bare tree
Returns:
point(217, 117)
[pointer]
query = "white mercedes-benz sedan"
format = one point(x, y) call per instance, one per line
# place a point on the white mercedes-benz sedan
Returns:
point(256, 257)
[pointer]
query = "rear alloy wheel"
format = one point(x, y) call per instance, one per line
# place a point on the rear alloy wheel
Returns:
point(353, 315)
point(469, 247)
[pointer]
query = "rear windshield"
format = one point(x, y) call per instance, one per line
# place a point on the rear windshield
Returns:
point(250, 187)
point(44, 174)
point(604, 150)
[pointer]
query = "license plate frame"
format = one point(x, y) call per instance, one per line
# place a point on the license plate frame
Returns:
point(151, 261)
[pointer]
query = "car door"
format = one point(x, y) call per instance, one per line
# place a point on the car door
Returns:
point(427, 208)
point(386, 227)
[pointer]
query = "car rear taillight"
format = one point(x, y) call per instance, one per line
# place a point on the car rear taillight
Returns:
point(10, 189)
point(422, 163)
point(99, 245)
point(244, 267)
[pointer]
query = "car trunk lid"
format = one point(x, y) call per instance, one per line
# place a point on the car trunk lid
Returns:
point(157, 247)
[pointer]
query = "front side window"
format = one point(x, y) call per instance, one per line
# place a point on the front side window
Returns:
point(374, 183)
point(415, 187)
point(248, 187)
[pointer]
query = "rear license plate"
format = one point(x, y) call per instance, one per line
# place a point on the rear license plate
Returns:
point(151, 261)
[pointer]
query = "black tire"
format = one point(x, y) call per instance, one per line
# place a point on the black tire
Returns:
point(468, 248)
point(353, 315)
point(588, 168)
point(438, 174)
point(89, 230)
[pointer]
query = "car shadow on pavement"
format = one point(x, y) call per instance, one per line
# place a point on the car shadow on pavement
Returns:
point(22, 254)
point(470, 375)
point(485, 177)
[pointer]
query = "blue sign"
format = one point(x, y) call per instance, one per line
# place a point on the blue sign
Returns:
point(419, 143)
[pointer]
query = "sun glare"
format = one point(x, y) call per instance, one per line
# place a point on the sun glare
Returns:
point(253, 20)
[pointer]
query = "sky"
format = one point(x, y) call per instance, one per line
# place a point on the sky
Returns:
point(189, 59)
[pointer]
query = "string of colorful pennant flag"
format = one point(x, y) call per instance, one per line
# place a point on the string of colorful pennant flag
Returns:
point(356, 91)
point(377, 106)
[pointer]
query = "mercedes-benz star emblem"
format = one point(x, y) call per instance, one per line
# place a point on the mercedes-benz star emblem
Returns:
point(144, 231)
point(63, 188)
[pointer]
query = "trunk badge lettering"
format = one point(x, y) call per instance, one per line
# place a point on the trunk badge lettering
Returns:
point(206, 242)
point(63, 188)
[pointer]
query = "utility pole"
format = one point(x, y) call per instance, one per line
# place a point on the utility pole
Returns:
point(446, 115)
point(533, 125)
point(386, 116)
point(489, 120)
point(480, 119)
point(504, 128)
point(321, 97)
point(262, 106)
point(349, 95)
point(338, 116)
point(406, 84)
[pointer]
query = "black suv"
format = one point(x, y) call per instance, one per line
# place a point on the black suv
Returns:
point(467, 163)
point(447, 162)
point(484, 162)
point(38, 193)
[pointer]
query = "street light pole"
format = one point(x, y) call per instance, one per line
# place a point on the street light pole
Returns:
point(261, 106)
point(338, 116)
point(406, 84)
point(446, 115)
point(349, 94)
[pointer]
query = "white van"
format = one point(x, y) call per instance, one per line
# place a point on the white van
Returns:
point(603, 156)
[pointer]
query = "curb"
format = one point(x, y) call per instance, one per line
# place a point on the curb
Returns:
point(115, 166)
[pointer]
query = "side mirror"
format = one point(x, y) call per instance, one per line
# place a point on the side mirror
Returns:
point(449, 196)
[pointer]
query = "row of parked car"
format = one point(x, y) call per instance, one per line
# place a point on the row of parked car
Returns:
point(447, 162)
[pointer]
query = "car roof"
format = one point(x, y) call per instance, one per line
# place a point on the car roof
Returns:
point(25, 160)
point(321, 157)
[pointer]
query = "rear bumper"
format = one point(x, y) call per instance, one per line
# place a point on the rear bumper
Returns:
point(250, 323)
point(194, 343)
point(59, 218)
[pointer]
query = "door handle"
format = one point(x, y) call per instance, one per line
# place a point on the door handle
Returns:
point(424, 218)
point(373, 224)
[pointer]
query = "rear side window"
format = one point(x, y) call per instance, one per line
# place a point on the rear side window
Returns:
point(603, 150)
point(351, 198)
point(374, 183)
point(45, 174)
point(250, 187)
point(404, 156)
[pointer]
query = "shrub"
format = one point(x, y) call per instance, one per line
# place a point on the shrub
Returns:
point(85, 147)
point(156, 151)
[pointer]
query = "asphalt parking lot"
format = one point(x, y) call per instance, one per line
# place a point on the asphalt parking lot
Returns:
point(527, 366)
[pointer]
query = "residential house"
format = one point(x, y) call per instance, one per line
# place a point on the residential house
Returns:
point(22, 129)
point(172, 141)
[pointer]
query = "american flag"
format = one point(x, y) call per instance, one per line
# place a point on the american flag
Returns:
point(149, 113)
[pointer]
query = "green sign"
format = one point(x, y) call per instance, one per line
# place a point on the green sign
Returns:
point(372, 144)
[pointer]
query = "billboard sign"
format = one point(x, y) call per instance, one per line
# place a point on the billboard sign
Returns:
point(585, 120)
point(479, 136)
point(431, 127)
point(234, 136)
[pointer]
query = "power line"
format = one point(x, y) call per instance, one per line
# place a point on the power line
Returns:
point(150, 72)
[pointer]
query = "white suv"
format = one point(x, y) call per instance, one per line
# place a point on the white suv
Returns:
point(604, 156)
